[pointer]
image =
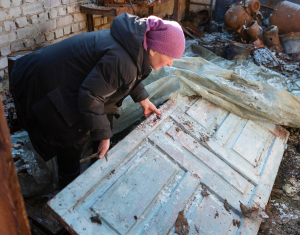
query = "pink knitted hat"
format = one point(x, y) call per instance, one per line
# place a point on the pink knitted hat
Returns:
point(165, 37)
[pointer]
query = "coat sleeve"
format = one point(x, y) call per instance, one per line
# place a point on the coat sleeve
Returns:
point(139, 93)
point(100, 84)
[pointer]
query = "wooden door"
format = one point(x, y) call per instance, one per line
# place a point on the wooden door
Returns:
point(165, 165)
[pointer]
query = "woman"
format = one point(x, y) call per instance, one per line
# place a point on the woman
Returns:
point(65, 91)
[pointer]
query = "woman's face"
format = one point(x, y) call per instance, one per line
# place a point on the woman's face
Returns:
point(158, 60)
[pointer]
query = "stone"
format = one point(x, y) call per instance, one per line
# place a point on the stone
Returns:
point(52, 14)
point(33, 8)
point(51, 3)
point(29, 42)
point(43, 17)
point(14, 12)
point(3, 63)
point(5, 50)
point(50, 36)
point(105, 20)
point(27, 31)
point(82, 25)
point(34, 19)
point(9, 26)
point(6, 38)
point(65, 2)
point(59, 33)
point(2, 15)
point(71, 9)
point(67, 30)
point(5, 3)
point(19, 45)
point(29, 1)
point(47, 26)
point(62, 11)
point(75, 28)
point(65, 20)
point(39, 38)
point(79, 17)
point(97, 21)
point(21, 22)
point(16, 2)
point(105, 26)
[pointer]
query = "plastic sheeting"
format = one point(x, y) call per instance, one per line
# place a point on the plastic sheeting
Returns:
point(240, 87)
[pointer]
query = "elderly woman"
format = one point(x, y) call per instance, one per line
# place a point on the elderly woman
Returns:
point(65, 91)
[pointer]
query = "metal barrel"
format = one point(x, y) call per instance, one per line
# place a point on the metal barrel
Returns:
point(286, 17)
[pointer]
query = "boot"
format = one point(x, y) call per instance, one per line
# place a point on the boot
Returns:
point(65, 179)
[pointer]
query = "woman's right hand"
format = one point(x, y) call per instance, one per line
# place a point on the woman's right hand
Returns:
point(103, 148)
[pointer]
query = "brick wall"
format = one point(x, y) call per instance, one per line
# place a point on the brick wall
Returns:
point(32, 24)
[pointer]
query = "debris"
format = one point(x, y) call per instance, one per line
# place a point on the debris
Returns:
point(255, 31)
point(234, 222)
point(195, 30)
point(238, 223)
point(96, 219)
point(265, 57)
point(17, 146)
point(247, 210)
point(239, 51)
point(272, 39)
point(226, 205)
point(292, 188)
point(277, 191)
point(182, 227)
point(205, 193)
point(216, 215)
point(112, 172)
point(135, 217)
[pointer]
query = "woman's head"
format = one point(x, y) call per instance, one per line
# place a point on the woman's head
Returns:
point(164, 37)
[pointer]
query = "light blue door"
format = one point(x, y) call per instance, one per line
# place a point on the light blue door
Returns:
point(165, 165)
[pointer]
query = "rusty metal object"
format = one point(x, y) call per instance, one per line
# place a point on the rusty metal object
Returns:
point(236, 17)
point(254, 6)
point(255, 31)
point(238, 51)
point(286, 17)
point(271, 38)
point(291, 42)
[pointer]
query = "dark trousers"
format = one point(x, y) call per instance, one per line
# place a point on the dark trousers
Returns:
point(68, 161)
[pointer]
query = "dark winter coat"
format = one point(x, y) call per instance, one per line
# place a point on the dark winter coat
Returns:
point(62, 91)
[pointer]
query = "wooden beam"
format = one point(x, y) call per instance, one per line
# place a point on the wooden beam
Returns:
point(13, 216)
point(90, 22)
point(176, 10)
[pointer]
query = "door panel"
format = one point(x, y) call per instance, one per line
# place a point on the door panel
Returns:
point(164, 166)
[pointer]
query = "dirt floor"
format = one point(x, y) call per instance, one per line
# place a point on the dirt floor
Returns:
point(283, 208)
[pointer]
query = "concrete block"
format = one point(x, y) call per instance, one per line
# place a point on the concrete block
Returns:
point(33, 8)
point(19, 45)
point(29, 42)
point(51, 3)
point(47, 26)
point(77, 7)
point(53, 14)
point(34, 19)
point(82, 25)
point(27, 31)
point(5, 3)
point(75, 28)
point(59, 33)
point(79, 17)
point(29, 1)
point(63, 21)
point(50, 36)
point(65, 2)
point(3, 15)
point(21, 22)
point(71, 9)
point(67, 30)
point(105, 26)
point(105, 20)
point(9, 26)
point(5, 50)
point(13, 12)
point(43, 17)
point(3, 63)
point(39, 38)
point(16, 2)
point(6, 38)
point(97, 22)
point(62, 11)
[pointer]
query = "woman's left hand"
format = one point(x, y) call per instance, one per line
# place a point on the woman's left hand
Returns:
point(148, 108)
